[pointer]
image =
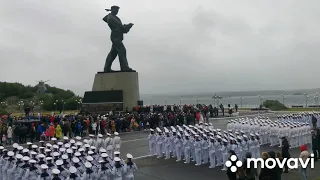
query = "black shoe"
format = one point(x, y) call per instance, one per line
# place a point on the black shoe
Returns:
point(109, 70)
point(128, 70)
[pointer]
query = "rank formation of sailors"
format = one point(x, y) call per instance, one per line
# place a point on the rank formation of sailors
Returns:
point(68, 160)
point(201, 144)
point(296, 129)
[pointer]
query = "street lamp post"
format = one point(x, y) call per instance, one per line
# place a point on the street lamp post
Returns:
point(41, 105)
point(180, 98)
point(165, 101)
point(150, 101)
point(63, 103)
point(306, 98)
point(197, 100)
point(261, 99)
point(21, 104)
point(283, 98)
point(241, 101)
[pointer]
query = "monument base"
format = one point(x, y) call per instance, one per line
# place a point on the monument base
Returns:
point(127, 82)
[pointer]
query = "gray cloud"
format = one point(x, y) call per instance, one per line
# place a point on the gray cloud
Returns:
point(181, 46)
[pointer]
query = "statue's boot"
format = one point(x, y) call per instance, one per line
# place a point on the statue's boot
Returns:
point(127, 70)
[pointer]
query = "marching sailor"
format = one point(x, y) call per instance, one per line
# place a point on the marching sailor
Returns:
point(108, 144)
point(73, 175)
point(131, 167)
point(116, 142)
point(88, 174)
point(44, 175)
point(152, 145)
point(118, 170)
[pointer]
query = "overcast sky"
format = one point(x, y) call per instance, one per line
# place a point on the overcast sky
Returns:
point(176, 46)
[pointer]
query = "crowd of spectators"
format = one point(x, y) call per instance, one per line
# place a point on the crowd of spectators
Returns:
point(36, 127)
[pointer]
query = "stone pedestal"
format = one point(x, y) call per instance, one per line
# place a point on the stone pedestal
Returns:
point(127, 82)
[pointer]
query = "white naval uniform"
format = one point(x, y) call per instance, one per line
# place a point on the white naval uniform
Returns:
point(116, 143)
point(187, 152)
point(212, 155)
point(218, 153)
point(99, 144)
point(197, 147)
point(104, 174)
point(178, 146)
point(152, 144)
point(118, 173)
point(130, 169)
point(108, 144)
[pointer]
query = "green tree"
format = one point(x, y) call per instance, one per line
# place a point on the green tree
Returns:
point(274, 105)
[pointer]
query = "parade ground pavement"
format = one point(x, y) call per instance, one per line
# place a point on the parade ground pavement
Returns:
point(151, 168)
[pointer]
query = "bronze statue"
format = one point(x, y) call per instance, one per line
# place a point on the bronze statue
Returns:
point(117, 31)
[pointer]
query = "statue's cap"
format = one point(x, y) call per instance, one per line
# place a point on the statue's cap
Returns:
point(113, 8)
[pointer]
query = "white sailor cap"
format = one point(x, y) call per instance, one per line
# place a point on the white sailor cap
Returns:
point(90, 152)
point(75, 160)
point(41, 147)
point(29, 143)
point(87, 146)
point(56, 171)
point(55, 154)
point(72, 141)
point(116, 133)
point(116, 152)
point(15, 145)
point(100, 135)
point(78, 138)
point(32, 161)
point(48, 158)
point(242, 132)
point(211, 137)
point(49, 145)
point(101, 161)
point(117, 159)
point(219, 137)
point(79, 143)
point(59, 162)
point(55, 147)
point(257, 134)
point(91, 135)
point(1, 147)
point(85, 141)
point(33, 153)
point(89, 158)
point(92, 147)
point(104, 155)
point(80, 149)
point(69, 151)
point(129, 156)
point(19, 156)
point(87, 164)
point(44, 166)
point(62, 149)
point(67, 145)
point(60, 143)
point(25, 158)
point(65, 138)
point(77, 154)
point(101, 150)
point(53, 139)
point(41, 156)
point(251, 134)
point(224, 140)
point(108, 134)
point(74, 148)
point(10, 153)
point(20, 148)
point(64, 156)
point(25, 150)
point(34, 146)
point(72, 169)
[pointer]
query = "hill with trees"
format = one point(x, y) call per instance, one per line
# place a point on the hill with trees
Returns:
point(14, 97)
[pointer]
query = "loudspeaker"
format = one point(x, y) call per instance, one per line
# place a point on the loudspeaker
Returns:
point(140, 103)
